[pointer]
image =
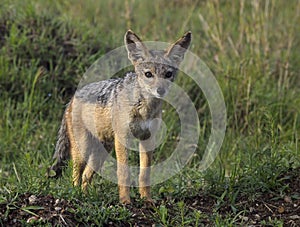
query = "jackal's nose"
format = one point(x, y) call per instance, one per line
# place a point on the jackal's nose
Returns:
point(161, 91)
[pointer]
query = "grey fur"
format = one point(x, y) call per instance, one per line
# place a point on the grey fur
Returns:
point(103, 92)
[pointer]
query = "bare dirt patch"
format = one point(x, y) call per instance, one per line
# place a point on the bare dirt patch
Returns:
point(28, 208)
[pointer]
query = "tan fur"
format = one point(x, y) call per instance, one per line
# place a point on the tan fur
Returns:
point(131, 108)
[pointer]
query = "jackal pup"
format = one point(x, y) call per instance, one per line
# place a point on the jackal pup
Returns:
point(105, 113)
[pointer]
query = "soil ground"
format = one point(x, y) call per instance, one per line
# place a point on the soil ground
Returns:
point(46, 208)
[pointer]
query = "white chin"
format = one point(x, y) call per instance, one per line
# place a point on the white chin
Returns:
point(156, 95)
point(159, 96)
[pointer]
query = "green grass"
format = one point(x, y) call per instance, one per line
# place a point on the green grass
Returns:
point(252, 47)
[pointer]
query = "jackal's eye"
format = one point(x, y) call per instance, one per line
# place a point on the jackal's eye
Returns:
point(148, 74)
point(169, 74)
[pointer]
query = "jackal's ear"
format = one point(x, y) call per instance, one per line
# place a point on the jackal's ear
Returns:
point(177, 50)
point(137, 51)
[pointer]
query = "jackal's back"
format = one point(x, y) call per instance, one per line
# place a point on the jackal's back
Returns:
point(105, 92)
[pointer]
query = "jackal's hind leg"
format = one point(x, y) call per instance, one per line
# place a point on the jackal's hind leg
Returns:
point(78, 167)
point(79, 153)
point(87, 177)
point(97, 156)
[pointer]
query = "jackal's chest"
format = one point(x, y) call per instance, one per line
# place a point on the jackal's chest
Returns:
point(141, 129)
point(143, 121)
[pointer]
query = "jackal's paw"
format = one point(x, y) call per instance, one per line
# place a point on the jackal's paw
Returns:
point(148, 202)
point(125, 200)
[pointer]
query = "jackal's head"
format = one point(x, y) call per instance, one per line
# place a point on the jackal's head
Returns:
point(155, 69)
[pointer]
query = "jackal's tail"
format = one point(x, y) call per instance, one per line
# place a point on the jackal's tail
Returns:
point(62, 151)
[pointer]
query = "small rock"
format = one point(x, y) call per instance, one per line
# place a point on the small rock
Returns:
point(281, 209)
point(294, 217)
point(56, 202)
point(57, 208)
point(31, 219)
point(32, 199)
point(246, 219)
point(287, 199)
point(257, 216)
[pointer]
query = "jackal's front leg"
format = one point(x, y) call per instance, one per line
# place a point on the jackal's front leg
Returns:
point(122, 171)
point(145, 167)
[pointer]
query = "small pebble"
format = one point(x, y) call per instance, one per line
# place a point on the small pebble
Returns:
point(31, 219)
point(246, 219)
point(287, 199)
point(57, 208)
point(280, 209)
point(56, 202)
point(294, 217)
point(32, 199)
